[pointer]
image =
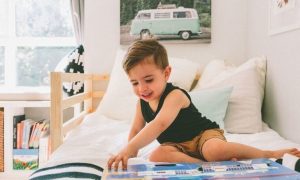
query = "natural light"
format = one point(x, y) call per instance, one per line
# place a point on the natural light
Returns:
point(34, 36)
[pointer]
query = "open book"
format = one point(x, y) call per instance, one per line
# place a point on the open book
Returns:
point(253, 169)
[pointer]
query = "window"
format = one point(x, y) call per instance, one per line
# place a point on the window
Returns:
point(43, 58)
point(161, 15)
point(34, 36)
point(182, 14)
point(144, 16)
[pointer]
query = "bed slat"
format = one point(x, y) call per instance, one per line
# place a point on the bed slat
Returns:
point(98, 94)
point(72, 123)
point(70, 77)
point(58, 130)
point(56, 136)
point(70, 101)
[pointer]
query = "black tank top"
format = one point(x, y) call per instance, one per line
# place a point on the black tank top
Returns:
point(188, 123)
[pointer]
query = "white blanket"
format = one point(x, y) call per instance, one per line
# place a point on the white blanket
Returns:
point(98, 137)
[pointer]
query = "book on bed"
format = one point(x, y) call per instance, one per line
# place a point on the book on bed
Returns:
point(255, 168)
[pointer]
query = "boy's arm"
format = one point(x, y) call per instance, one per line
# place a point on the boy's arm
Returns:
point(138, 123)
point(173, 103)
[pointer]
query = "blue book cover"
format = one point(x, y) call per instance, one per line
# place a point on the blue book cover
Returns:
point(253, 169)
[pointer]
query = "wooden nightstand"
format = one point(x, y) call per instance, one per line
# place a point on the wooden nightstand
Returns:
point(35, 110)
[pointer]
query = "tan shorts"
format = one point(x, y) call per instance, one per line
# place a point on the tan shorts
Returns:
point(194, 147)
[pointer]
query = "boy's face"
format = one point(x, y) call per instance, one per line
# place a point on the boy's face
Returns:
point(148, 80)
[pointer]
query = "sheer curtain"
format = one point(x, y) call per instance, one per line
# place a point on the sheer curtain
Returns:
point(74, 61)
point(77, 11)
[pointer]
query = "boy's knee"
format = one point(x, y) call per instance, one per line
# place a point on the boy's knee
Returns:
point(214, 151)
point(160, 154)
point(155, 156)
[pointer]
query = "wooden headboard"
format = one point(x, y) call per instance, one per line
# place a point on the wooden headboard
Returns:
point(58, 129)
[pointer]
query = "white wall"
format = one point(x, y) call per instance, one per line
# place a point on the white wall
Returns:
point(239, 31)
point(282, 100)
point(228, 35)
point(101, 34)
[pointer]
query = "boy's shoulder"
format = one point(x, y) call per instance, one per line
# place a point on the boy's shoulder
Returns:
point(176, 90)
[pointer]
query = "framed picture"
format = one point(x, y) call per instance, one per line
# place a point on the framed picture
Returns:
point(284, 15)
point(174, 21)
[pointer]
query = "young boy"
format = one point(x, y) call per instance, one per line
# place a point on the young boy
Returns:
point(184, 134)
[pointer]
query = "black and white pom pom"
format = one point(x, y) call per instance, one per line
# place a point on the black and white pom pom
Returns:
point(290, 161)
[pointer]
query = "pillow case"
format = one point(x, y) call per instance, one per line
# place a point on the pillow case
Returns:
point(183, 72)
point(72, 63)
point(212, 103)
point(244, 108)
point(212, 69)
point(119, 101)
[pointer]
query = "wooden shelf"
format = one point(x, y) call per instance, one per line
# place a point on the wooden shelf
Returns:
point(24, 93)
point(25, 103)
point(12, 108)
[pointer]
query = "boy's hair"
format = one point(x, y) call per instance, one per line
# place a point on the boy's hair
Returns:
point(141, 49)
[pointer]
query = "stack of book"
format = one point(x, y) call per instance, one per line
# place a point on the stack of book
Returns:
point(26, 132)
point(26, 141)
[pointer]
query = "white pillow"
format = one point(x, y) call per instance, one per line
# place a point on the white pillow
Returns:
point(212, 69)
point(183, 72)
point(248, 81)
point(119, 101)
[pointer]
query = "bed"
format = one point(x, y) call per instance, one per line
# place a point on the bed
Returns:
point(80, 148)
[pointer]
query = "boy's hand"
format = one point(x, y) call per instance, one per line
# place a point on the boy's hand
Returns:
point(122, 156)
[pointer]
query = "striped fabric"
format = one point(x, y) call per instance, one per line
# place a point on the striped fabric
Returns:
point(68, 170)
point(290, 161)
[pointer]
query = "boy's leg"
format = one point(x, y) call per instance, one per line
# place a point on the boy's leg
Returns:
point(171, 154)
point(218, 150)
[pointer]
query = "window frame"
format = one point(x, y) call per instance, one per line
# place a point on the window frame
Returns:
point(11, 42)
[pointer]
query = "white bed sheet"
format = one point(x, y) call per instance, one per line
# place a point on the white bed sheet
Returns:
point(98, 137)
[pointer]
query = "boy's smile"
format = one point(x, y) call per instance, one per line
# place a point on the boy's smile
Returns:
point(147, 95)
point(148, 81)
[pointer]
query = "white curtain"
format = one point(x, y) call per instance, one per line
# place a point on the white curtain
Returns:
point(77, 11)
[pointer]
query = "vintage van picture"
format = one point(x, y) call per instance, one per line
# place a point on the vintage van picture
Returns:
point(183, 22)
point(186, 21)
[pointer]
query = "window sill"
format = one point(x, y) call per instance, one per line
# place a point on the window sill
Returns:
point(24, 93)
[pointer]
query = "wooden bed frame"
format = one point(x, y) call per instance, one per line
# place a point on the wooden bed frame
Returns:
point(58, 129)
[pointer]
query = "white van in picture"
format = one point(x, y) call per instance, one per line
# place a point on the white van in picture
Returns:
point(183, 22)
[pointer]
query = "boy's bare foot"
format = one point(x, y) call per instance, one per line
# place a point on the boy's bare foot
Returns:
point(279, 153)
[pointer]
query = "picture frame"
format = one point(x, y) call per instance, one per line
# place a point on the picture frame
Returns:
point(284, 15)
point(169, 21)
